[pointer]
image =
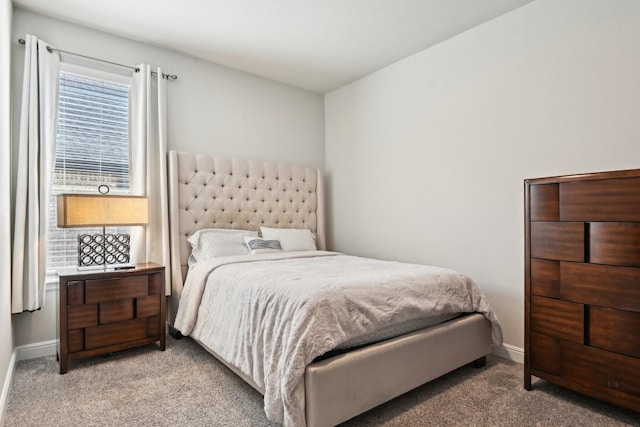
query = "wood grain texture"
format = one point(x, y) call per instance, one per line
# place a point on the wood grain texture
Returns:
point(75, 292)
point(615, 330)
point(116, 311)
point(545, 277)
point(615, 243)
point(101, 290)
point(602, 285)
point(115, 333)
point(601, 200)
point(545, 202)
point(591, 366)
point(545, 353)
point(81, 316)
point(558, 319)
point(562, 241)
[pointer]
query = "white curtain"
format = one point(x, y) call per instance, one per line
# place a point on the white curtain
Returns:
point(34, 174)
point(149, 166)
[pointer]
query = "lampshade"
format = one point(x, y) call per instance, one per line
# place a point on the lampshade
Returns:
point(91, 210)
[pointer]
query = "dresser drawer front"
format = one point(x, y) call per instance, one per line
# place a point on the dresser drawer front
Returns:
point(116, 288)
point(562, 241)
point(115, 333)
point(559, 319)
point(600, 200)
point(615, 243)
point(590, 366)
point(545, 277)
point(545, 202)
point(615, 330)
point(545, 353)
point(603, 285)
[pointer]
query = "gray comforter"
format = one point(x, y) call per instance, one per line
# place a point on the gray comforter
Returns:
point(271, 315)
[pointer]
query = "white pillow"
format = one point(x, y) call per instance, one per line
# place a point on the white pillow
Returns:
point(291, 239)
point(217, 242)
point(257, 245)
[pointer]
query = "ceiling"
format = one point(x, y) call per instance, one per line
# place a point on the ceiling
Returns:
point(317, 45)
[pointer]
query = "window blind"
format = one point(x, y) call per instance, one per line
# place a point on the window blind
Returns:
point(92, 148)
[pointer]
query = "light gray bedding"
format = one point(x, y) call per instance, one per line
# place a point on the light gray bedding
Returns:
point(271, 315)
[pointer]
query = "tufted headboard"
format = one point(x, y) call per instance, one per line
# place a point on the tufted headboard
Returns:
point(216, 192)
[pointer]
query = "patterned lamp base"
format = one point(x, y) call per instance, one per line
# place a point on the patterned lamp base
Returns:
point(103, 249)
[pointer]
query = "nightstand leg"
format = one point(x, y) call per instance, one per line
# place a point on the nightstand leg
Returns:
point(63, 364)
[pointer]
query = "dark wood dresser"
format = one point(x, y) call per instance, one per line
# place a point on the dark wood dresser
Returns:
point(104, 311)
point(582, 284)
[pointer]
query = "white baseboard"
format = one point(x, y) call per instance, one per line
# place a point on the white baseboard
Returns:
point(509, 352)
point(35, 350)
point(8, 380)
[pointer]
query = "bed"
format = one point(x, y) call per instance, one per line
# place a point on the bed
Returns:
point(330, 386)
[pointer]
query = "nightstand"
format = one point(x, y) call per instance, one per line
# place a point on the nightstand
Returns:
point(102, 311)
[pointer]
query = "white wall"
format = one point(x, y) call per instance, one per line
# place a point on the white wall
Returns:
point(212, 109)
point(6, 335)
point(426, 158)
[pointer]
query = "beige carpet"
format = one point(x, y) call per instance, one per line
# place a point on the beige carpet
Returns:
point(185, 386)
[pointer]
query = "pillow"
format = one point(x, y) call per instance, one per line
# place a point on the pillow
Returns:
point(257, 245)
point(217, 242)
point(291, 239)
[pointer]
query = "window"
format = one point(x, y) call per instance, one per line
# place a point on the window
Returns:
point(92, 148)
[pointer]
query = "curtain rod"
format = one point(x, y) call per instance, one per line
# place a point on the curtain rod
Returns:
point(136, 69)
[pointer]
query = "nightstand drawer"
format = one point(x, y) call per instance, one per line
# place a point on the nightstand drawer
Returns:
point(82, 316)
point(117, 311)
point(148, 306)
point(117, 288)
point(115, 333)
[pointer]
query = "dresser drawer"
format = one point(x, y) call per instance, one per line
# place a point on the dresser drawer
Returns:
point(602, 285)
point(116, 288)
point(558, 319)
point(562, 241)
point(590, 366)
point(545, 202)
point(545, 277)
point(600, 200)
point(615, 243)
point(545, 354)
point(615, 330)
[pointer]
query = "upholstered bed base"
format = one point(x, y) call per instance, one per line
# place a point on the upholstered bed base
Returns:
point(349, 384)
point(215, 192)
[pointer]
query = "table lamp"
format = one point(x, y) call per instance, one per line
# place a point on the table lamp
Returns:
point(101, 210)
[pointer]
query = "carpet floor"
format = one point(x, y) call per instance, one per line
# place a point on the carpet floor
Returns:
point(186, 386)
